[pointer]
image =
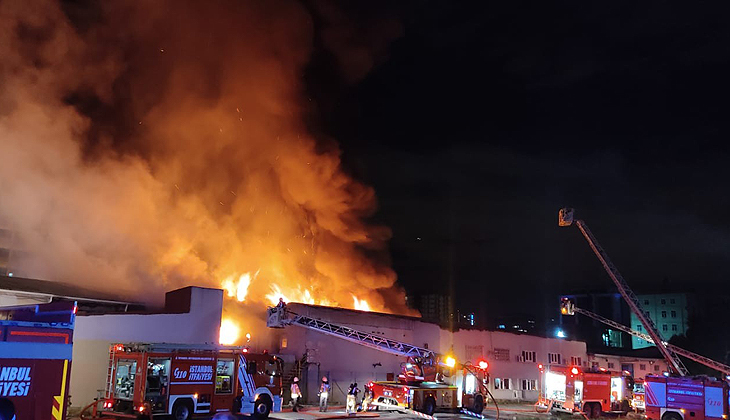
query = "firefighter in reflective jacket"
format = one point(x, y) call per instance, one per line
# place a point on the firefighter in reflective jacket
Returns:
point(295, 394)
point(324, 393)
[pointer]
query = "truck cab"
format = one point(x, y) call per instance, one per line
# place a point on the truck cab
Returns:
point(184, 381)
point(35, 360)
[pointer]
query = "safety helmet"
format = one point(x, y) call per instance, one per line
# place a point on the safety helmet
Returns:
point(296, 379)
point(324, 379)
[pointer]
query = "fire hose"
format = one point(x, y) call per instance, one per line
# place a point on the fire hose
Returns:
point(82, 413)
point(493, 399)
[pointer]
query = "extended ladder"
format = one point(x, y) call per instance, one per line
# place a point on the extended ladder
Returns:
point(720, 367)
point(565, 218)
point(279, 317)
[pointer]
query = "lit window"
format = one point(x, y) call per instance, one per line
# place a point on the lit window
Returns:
point(224, 376)
point(284, 343)
point(470, 384)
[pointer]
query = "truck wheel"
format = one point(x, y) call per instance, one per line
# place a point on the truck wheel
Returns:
point(429, 406)
point(478, 404)
point(625, 407)
point(7, 409)
point(262, 407)
point(182, 410)
point(670, 415)
point(590, 410)
point(596, 413)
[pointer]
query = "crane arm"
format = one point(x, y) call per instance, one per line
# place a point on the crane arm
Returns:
point(566, 219)
point(279, 317)
point(720, 367)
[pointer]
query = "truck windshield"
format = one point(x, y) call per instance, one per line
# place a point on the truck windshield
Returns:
point(124, 379)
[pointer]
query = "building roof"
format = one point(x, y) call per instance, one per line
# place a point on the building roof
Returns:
point(643, 353)
point(62, 291)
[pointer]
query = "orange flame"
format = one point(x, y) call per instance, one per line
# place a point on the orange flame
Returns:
point(229, 332)
point(239, 291)
point(216, 175)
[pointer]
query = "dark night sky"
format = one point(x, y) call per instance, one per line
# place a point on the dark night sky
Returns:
point(479, 121)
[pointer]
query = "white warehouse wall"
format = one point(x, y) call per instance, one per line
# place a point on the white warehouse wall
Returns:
point(94, 334)
point(345, 362)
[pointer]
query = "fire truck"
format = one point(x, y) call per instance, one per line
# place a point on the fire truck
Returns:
point(665, 398)
point(146, 380)
point(571, 389)
point(428, 382)
point(696, 398)
point(35, 359)
point(638, 403)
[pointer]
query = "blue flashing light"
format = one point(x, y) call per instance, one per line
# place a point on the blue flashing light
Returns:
point(560, 334)
point(501, 326)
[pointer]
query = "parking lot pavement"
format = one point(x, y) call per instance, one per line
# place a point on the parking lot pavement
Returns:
point(315, 414)
point(380, 415)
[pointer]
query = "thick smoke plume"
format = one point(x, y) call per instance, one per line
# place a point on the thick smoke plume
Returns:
point(151, 145)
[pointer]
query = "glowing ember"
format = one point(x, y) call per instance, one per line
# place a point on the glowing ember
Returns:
point(229, 332)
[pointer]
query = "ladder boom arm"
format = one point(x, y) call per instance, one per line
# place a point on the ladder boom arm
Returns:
point(720, 367)
point(631, 299)
point(279, 317)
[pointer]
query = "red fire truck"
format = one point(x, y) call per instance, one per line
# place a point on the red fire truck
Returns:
point(570, 389)
point(679, 398)
point(428, 382)
point(638, 402)
point(35, 360)
point(189, 380)
point(464, 390)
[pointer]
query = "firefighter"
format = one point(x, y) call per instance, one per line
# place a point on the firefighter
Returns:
point(352, 398)
point(324, 392)
point(367, 398)
point(296, 394)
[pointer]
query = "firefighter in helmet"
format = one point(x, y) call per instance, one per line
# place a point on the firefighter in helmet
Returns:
point(296, 394)
point(324, 392)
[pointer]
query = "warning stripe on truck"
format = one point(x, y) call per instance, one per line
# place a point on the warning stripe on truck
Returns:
point(59, 401)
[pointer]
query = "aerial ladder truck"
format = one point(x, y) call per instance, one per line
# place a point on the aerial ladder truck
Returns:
point(421, 385)
point(567, 307)
point(566, 218)
point(667, 398)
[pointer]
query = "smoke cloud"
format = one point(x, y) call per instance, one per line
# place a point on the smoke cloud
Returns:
point(151, 145)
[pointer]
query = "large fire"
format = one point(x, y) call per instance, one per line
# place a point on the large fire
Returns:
point(145, 151)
